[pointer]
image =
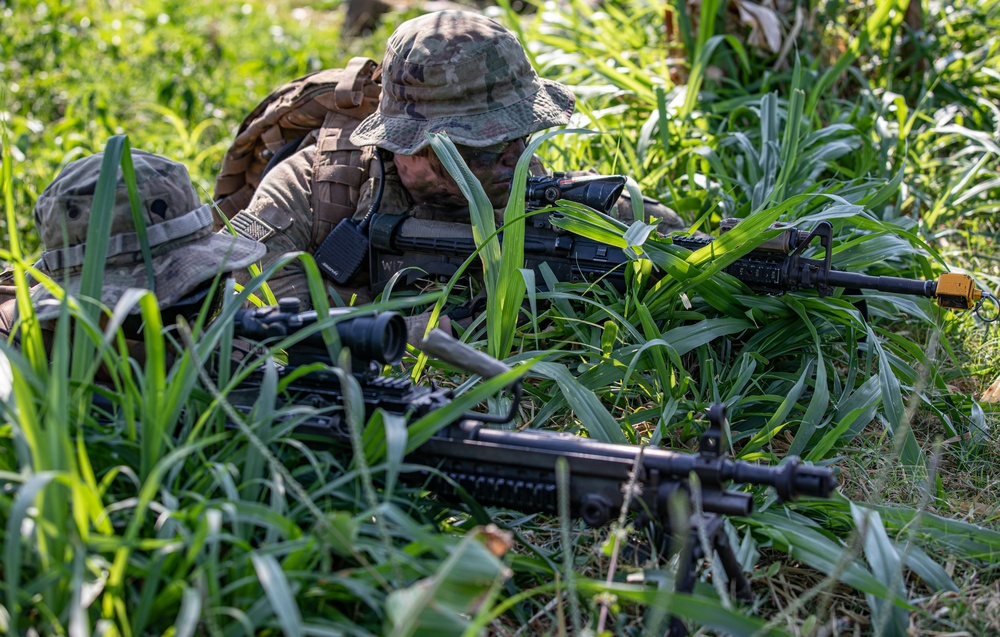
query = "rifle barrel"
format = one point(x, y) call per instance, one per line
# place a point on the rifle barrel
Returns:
point(791, 479)
point(890, 284)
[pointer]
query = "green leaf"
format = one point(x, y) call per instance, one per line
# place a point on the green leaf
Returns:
point(600, 424)
point(892, 406)
point(189, 615)
point(967, 541)
point(933, 574)
point(885, 565)
point(278, 591)
point(608, 337)
point(831, 557)
point(836, 434)
point(27, 496)
point(440, 605)
point(777, 421)
point(342, 532)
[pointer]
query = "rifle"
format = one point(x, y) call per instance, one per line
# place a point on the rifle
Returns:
point(517, 469)
point(776, 266)
point(343, 252)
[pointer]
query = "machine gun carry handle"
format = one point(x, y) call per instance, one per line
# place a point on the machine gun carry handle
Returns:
point(441, 346)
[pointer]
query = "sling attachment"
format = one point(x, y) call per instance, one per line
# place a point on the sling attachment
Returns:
point(988, 316)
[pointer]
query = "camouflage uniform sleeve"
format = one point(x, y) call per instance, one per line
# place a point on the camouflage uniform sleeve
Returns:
point(280, 216)
point(8, 312)
point(8, 303)
point(668, 220)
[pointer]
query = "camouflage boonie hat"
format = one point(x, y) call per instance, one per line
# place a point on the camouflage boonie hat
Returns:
point(185, 251)
point(464, 74)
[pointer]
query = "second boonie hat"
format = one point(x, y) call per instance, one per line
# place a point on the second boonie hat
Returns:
point(185, 251)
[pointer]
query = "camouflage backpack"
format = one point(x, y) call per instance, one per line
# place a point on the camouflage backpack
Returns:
point(322, 108)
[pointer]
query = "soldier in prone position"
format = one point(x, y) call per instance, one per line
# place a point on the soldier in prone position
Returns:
point(452, 71)
point(186, 254)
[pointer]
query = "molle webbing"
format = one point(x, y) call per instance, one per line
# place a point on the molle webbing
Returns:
point(325, 104)
point(339, 170)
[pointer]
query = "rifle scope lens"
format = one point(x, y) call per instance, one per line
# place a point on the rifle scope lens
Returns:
point(379, 337)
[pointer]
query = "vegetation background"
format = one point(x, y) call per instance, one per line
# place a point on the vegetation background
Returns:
point(115, 519)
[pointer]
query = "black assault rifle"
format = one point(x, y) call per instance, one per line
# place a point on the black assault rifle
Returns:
point(777, 266)
point(343, 252)
point(517, 469)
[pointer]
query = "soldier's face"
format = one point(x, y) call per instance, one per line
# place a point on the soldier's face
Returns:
point(427, 180)
point(494, 167)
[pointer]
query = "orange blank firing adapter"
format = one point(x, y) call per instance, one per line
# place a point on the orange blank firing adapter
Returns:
point(957, 291)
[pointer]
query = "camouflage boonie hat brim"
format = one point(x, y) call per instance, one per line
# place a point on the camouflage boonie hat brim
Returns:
point(184, 249)
point(461, 73)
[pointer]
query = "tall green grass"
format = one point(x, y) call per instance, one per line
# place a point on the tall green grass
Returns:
point(131, 508)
